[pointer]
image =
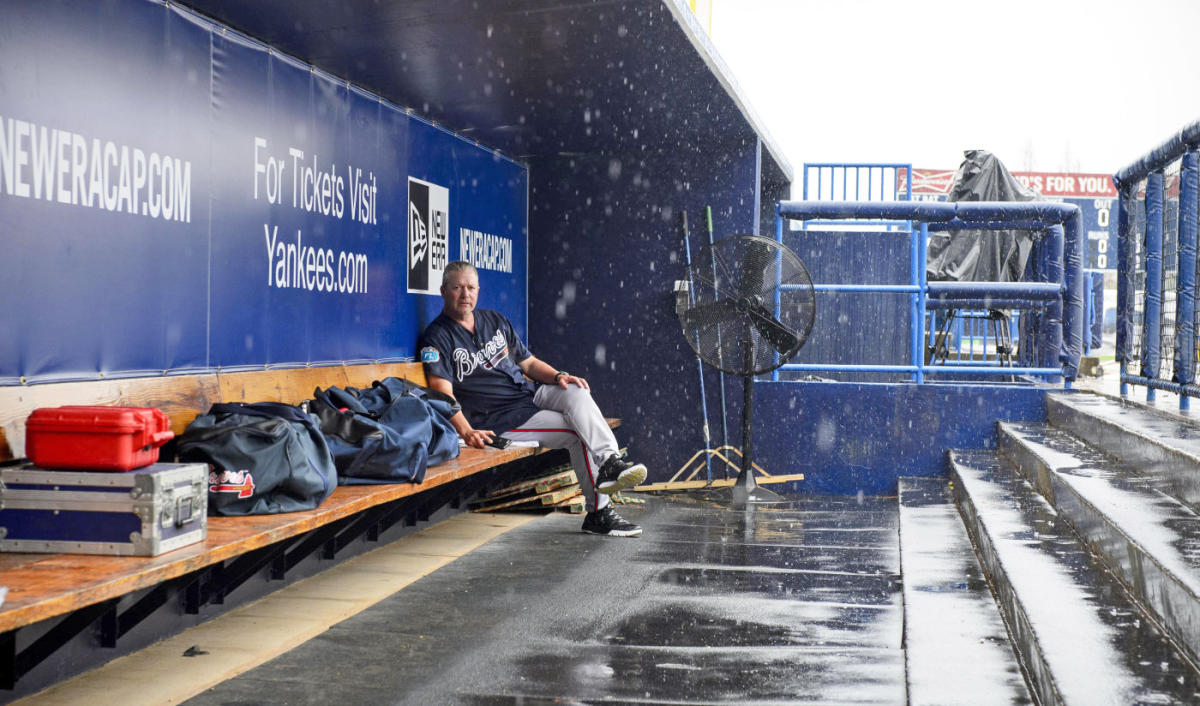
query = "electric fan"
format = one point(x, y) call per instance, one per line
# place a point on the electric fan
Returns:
point(752, 308)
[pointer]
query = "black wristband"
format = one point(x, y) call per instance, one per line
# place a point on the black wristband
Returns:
point(560, 374)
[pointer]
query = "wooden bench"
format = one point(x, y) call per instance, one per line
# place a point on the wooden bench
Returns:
point(87, 588)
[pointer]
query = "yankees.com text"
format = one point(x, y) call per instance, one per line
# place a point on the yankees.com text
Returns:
point(295, 265)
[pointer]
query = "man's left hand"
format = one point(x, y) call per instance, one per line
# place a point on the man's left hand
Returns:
point(564, 380)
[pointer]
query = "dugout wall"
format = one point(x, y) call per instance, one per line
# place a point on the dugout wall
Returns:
point(149, 151)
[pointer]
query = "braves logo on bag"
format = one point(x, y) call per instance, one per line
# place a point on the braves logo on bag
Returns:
point(240, 482)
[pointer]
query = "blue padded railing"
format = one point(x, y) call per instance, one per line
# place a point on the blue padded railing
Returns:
point(1059, 289)
point(1151, 192)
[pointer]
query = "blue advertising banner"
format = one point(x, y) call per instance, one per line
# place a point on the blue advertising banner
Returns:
point(104, 230)
point(175, 197)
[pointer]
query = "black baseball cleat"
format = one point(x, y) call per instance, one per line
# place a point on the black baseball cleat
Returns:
point(617, 474)
point(608, 522)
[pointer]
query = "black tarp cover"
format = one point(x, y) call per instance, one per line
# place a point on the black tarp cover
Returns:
point(982, 255)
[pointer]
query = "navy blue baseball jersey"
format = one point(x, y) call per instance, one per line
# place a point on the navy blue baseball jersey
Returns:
point(482, 368)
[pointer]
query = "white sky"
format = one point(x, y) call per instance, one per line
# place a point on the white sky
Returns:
point(1046, 85)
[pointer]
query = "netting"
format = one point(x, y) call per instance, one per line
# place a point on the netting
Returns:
point(1170, 271)
point(1166, 327)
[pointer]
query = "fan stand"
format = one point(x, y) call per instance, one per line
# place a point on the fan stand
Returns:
point(746, 490)
point(736, 316)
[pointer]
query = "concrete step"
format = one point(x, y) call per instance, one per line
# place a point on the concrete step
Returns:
point(1150, 540)
point(1079, 637)
point(955, 642)
point(1161, 445)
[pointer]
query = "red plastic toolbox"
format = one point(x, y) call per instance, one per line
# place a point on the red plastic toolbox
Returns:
point(96, 438)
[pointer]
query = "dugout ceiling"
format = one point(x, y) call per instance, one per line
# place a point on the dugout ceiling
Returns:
point(529, 77)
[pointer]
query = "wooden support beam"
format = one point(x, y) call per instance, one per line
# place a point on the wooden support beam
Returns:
point(533, 501)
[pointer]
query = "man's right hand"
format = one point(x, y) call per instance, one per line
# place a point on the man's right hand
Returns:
point(477, 438)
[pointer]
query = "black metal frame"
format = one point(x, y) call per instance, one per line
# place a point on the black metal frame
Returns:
point(939, 352)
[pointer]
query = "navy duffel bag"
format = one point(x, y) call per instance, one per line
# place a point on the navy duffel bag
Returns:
point(266, 458)
point(389, 433)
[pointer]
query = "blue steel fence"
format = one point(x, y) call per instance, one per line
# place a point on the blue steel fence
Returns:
point(842, 181)
point(1159, 203)
point(1059, 289)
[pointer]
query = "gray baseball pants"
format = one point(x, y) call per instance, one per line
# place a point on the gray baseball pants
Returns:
point(571, 420)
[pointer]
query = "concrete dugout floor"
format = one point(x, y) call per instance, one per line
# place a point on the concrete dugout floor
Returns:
point(788, 603)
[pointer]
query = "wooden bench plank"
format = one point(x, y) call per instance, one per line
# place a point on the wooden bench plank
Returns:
point(364, 375)
point(291, 386)
point(180, 399)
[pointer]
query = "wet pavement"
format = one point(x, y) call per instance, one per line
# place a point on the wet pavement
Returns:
point(792, 603)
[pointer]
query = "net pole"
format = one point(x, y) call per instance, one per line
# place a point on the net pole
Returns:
point(918, 323)
point(1050, 336)
point(922, 285)
point(778, 283)
point(1126, 250)
point(1185, 282)
point(1152, 313)
point(1072, 315)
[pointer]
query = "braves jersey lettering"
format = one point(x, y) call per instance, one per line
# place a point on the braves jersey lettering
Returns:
point(240, 482)
point(492, 353)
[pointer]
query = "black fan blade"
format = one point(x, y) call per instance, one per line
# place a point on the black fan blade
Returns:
point(782, 338)
point(705, 315)
point(755, 261)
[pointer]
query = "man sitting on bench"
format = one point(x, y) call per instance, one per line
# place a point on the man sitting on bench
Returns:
point(476, 356)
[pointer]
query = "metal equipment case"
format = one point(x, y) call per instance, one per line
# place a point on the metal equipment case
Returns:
point(140, 513)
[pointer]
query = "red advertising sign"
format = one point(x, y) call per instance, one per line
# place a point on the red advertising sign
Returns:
point(938, 181)
point(1080, 186)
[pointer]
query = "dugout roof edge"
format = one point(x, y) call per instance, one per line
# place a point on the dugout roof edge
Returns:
point(530, 78)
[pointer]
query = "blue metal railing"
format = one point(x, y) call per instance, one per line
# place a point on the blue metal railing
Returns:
point(1059, 289)
point(863, 181)
point(843, 181)
point(1146, 199)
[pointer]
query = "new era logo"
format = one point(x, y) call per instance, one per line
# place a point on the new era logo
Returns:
point(428, 235)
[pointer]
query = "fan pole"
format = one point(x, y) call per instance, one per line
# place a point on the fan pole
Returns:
point(745, 490)
point(745, 485)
